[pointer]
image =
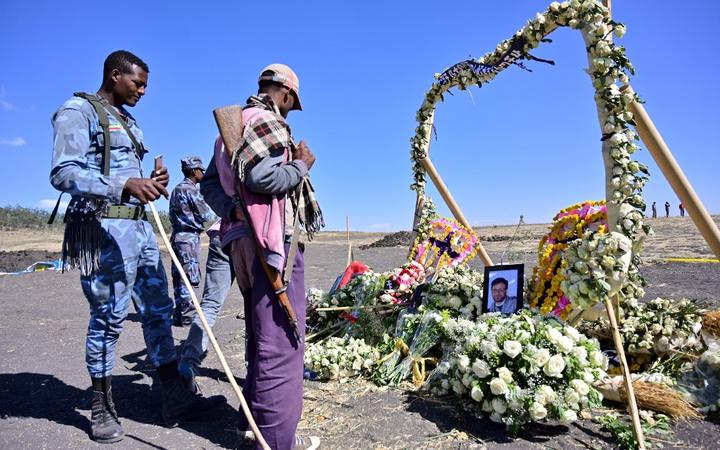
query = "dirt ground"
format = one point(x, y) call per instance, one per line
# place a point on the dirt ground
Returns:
point(44, 395)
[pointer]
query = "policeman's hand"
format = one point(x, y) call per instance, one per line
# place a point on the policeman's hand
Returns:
point(161, 176)
point(303, 153)
point(144, 189)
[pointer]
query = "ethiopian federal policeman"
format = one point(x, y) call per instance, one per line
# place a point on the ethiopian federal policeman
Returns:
point(97, 158)
point(189, 215)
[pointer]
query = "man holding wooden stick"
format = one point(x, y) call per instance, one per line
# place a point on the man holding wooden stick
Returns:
point(273, 197)
point(98, 153)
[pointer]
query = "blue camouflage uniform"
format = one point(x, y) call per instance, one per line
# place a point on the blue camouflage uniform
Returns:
point(188, 215)
point(129, 266)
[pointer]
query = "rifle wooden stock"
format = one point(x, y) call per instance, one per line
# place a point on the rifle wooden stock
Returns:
point(230, 123)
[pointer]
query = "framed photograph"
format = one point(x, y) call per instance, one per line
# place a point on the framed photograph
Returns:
point(503, 288)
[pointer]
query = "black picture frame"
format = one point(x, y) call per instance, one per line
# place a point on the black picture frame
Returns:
point(514, 275)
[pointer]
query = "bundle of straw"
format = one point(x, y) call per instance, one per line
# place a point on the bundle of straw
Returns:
point(711, 323)
point(651, 396)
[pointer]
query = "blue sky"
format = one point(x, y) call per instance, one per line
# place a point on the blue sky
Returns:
point(526, 143)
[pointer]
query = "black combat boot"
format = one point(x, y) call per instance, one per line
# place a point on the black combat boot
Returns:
point(104, 423)
point(180, 402)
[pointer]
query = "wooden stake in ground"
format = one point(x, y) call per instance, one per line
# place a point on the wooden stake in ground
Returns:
point(631, 401)
point(349, 244)
point(208, 330)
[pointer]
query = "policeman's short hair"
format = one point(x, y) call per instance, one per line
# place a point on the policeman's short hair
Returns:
point(498, 281)
point(123, 61)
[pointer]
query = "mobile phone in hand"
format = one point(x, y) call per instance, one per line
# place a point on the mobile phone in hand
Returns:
point(158, 162)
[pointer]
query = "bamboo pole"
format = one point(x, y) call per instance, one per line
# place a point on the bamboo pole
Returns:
point(674, 175)
point(246, 411)
point(454, 208)
point(631, 401)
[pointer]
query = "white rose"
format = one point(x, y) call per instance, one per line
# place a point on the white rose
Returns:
point(598, 359)
point(463, 363)
point(498, 386)
point(499, 405)
point(487, 406)
point(541, 357)
point(568, 416)
point(505, 374)
point(495, 417)
point(537, 411)
point(467, 380)
point(581, 354)
point(553, 334)
point(572, 397)
point(554, 366)
point(481, 368)
point(564, 344)
point(454, 302)
point(512, 348)
point(458, 387)
point(488, 347)
point(476, 394)
point(545, 394)
point(620, 30)
point(572, 333)
point(580, 387)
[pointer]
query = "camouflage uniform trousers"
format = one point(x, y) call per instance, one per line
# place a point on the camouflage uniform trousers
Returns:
point(130, 269)
point(187, 248)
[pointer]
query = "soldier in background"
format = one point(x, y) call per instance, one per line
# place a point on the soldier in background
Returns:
point(189, 215)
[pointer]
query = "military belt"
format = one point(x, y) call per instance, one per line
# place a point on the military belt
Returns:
point(125, 212)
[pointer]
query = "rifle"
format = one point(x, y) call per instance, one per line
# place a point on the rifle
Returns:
point(230, 124)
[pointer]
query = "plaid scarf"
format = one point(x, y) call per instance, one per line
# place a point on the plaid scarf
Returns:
point(265, 136)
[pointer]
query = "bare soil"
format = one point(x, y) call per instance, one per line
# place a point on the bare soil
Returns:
point(44, 396)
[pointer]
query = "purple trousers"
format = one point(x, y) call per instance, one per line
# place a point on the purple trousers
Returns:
point(274, 383)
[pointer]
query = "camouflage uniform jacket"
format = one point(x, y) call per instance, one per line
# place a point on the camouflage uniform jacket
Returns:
point(79, 145)
point(188, 210)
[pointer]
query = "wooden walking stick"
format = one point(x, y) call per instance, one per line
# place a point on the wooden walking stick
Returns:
point(206, 326)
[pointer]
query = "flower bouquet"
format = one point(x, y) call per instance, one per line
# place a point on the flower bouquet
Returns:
point(520, 368)
point(337, 358)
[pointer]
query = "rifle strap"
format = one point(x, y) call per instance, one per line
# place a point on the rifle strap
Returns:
point(101, 112)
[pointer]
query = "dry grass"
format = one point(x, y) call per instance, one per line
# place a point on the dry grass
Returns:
point(661, 399)
point(711, 322)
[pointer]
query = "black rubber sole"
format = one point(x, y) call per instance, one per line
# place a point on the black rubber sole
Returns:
point(109, 441)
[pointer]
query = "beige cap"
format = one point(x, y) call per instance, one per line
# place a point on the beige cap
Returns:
point(284, 75)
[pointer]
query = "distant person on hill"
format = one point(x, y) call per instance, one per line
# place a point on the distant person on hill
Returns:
point(654, 210)
point(667, 209)
point(682, 210)
point(500, 302)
